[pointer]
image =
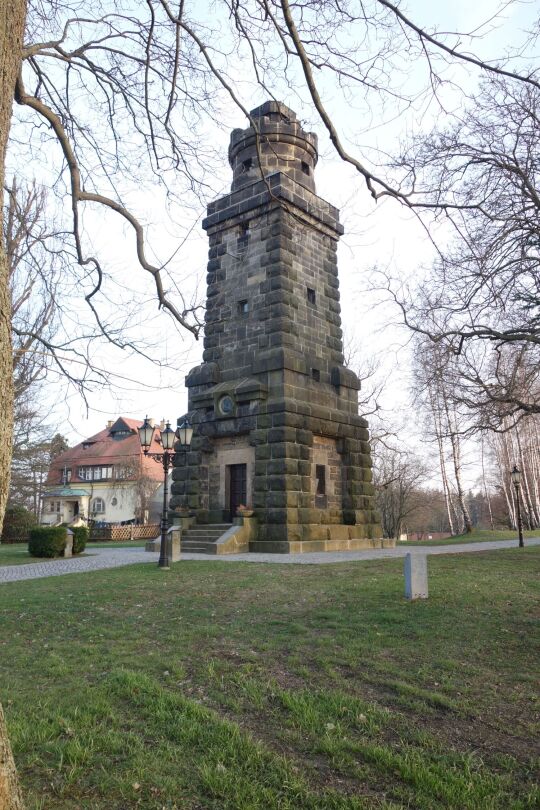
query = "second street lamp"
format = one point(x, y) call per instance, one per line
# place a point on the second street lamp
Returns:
point(168, 436)
point(515, 475)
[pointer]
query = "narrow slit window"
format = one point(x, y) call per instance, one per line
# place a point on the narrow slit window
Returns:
point(320, 478)
point(305, 167)
point(311, 296)
point(316, 374)
point(243, 307)
point(247, 164)
point(243, 236)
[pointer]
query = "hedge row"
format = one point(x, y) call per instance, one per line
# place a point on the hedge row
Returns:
point(50, 541)
point(80, 538)
point(47, 541)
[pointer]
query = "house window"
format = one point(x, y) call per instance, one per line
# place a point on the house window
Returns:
point(57, 506)
point(243, 307)
point(114, 501)
point(320, 478)
point(316, 374)
point(311, 297)
point(66, 475)
point(51, 506)
point(98, 506)
point(94, 473)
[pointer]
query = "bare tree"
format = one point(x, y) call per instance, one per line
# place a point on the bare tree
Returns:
point(33, 280)
point(519, 444)
point(397, 475)
point(481, 303)
point(435, 378)
point(141, 485)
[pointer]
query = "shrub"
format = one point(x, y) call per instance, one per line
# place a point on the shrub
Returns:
point(47, 541)
point(17, 524)
point(80, 538)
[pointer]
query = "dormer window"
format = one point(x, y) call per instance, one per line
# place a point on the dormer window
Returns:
point(120, 434)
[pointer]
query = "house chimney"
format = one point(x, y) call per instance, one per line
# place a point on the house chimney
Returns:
point(110, 423)
point(151, 422)
point(162, 424)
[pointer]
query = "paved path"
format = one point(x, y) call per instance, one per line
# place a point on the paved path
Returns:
point(99, 559)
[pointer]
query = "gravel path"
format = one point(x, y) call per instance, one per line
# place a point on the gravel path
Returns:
point(99, 559)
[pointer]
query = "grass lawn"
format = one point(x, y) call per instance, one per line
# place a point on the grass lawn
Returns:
point(239, 686)
point(17, 553)
point(477, 536)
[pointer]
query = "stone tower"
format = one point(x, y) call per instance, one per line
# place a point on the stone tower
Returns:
point(274, 409)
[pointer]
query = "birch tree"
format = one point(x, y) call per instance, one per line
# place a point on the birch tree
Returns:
point(435, 377)
point(519, 445)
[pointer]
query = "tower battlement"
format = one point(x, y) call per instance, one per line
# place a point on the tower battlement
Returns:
point(274, 142)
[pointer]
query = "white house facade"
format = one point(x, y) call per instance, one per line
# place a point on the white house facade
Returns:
point(106, 479)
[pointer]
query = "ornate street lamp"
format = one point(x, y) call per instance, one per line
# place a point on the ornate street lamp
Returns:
point(515, 475)
point(146, 434)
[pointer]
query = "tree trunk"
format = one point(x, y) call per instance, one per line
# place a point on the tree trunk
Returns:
point(10, 794)
point(436, 413)
point(12, 20)
point(456, 458)
point(484, 482)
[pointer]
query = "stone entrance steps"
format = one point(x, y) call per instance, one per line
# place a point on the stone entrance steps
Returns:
point(202, 539)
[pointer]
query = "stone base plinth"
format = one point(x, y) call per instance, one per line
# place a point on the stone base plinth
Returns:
point(342, 542)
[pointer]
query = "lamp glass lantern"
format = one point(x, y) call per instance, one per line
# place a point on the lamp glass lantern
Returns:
point(146, 433)
point(167, 437)
point(515, 475)
point(184, 432)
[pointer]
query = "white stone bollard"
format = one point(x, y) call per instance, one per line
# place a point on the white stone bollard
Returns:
point(174, 538)
point(68, 548)
point(416, 580)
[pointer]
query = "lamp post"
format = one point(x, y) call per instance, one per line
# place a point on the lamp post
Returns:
point(515, 475)
point(168, 437)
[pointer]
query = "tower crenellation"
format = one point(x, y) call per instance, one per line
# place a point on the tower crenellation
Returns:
point(274, 141)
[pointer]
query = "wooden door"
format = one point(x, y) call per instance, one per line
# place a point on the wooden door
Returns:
point(237, 487)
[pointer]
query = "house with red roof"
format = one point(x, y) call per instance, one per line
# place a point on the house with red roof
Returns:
point(106, 478)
